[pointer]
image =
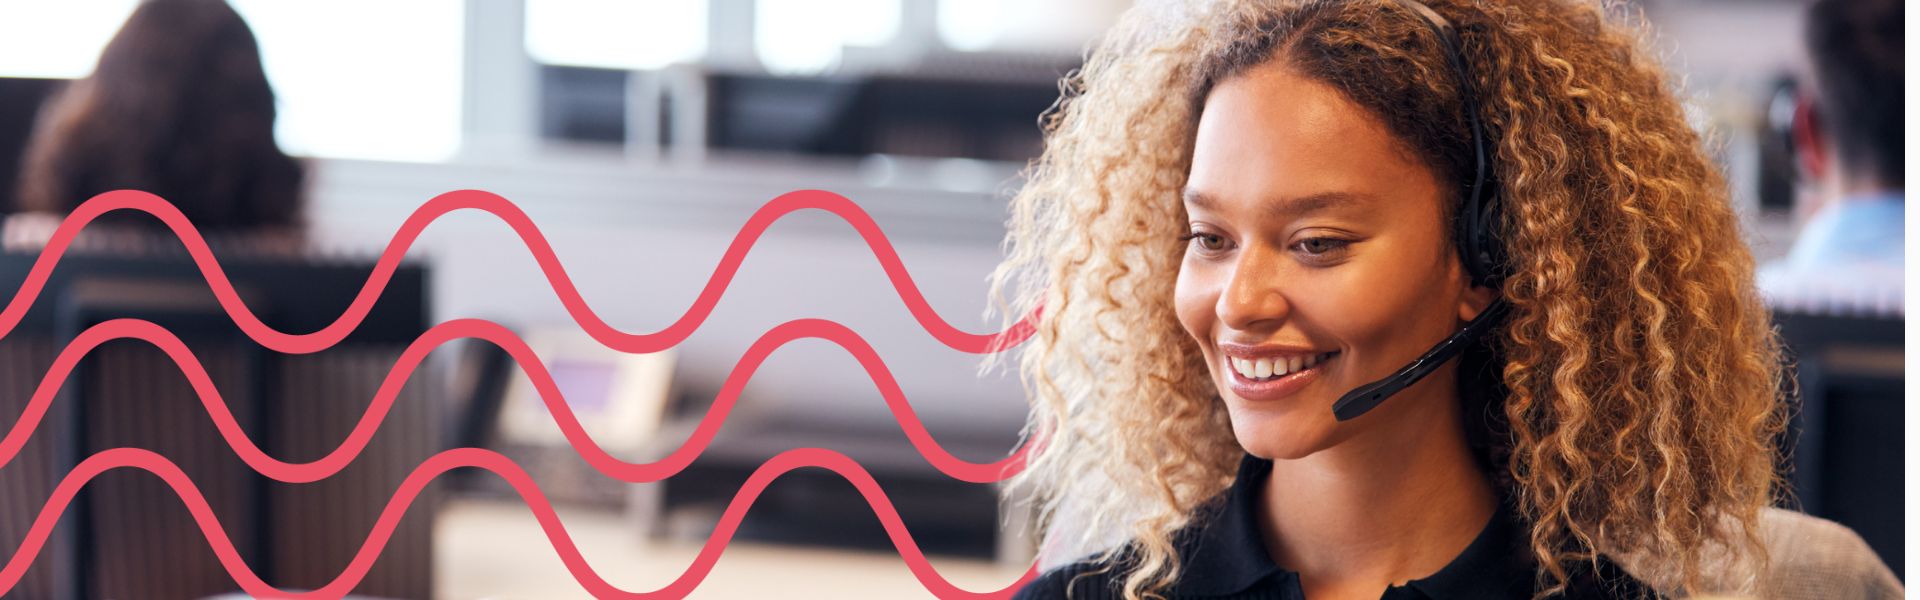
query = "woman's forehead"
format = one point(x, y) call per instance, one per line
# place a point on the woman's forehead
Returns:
point(1270, 135)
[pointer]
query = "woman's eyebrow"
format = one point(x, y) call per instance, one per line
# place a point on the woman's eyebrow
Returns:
point(1285, 209)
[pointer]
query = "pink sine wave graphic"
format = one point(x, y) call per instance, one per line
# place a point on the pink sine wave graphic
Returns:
point(576, 307)
point(543, 382)
point(550, 267)
point(576, 564)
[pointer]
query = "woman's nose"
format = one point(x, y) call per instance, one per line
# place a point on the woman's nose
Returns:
point(1253, 292)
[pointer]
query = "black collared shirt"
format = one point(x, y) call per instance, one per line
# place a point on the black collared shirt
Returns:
point(1222, 557)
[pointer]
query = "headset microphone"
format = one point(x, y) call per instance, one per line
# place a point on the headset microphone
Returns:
point(1478, 245)
point(1364, 398)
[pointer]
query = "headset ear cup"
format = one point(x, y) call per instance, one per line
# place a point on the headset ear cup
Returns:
point(1473, 237)
point(1493, 259)
point(1479, 244)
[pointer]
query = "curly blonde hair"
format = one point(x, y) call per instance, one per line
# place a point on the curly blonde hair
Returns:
point(1639, 381)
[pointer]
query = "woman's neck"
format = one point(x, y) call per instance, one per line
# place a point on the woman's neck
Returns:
point(1395, 503)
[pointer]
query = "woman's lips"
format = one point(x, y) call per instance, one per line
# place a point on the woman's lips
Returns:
point(1272, 389)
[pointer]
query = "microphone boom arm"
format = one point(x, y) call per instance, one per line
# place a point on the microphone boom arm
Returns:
point(1364, 398)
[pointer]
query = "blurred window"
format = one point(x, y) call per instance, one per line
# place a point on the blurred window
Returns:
point(969, 25)
point(1044, 26)
point(364, 78)
point(348, 85)
point(56, 39)
point(794, 37)
point(615, 34)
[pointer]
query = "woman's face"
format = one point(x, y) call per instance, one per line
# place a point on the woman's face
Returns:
point(1317, 237)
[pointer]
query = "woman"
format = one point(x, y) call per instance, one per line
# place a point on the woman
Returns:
point(179, 106)
point(1237, 189)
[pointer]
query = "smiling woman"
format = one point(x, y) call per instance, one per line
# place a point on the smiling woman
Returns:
point(1316, 234)
point(1223, 269)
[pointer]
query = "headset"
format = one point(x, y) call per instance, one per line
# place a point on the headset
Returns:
point(1475, 236)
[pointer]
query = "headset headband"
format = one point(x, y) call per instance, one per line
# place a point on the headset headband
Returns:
point(1476, 225)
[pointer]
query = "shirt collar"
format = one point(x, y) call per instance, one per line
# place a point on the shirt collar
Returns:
point(1223, 553)
point(1498, 563)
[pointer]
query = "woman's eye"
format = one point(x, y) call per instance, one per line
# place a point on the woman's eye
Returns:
point(1321, 245)
point(1206, 241)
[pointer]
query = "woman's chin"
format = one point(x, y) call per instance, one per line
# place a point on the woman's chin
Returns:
point(1282, 436)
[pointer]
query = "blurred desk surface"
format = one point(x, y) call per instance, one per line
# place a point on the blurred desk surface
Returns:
point(495, 549)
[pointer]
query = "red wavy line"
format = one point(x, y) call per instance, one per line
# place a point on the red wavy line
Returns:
point(536, 243)
point(543, 382)
point(556, 533)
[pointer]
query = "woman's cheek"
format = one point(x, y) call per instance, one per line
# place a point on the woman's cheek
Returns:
point(1346, 312)
point(1193, 299)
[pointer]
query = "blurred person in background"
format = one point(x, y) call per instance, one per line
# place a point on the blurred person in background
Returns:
point(179, 106)
point(1848, 143)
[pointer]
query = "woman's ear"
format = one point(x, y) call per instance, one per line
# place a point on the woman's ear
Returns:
point(1475, 299)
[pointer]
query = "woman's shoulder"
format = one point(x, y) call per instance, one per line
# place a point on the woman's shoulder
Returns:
point(1807, 557)
point(1089, 578)
point(1811, 557)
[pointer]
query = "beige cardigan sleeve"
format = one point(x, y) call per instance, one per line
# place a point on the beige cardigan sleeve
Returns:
point(1817, 558)
point(1810, 558)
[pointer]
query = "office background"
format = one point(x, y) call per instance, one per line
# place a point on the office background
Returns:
point(640, 137)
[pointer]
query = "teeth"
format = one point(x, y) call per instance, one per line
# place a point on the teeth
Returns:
point(1267, 367)
point(1244, 367)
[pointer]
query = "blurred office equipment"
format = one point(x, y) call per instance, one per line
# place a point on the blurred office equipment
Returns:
point(818, 507)
point(618, 400)
point(127, 535)
point(916, 114)
point(584, 104)
point(952, 105)
point(1774, 141)
point(1847, 430)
